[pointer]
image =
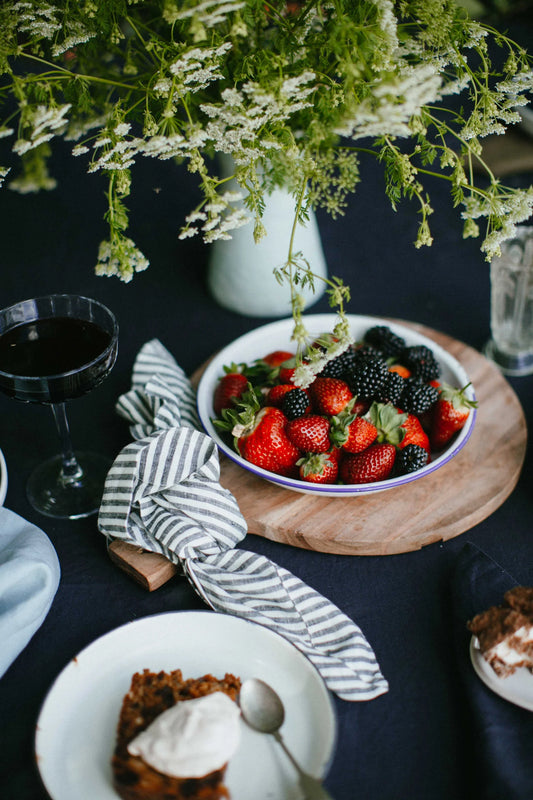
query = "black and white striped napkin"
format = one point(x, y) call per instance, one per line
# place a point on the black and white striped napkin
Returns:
point(163, 494)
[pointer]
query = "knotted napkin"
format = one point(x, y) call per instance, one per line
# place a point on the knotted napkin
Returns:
point(29, 577)
point(163, 494)
point(501, 762)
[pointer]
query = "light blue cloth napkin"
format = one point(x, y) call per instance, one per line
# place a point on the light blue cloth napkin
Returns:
point(29, 577)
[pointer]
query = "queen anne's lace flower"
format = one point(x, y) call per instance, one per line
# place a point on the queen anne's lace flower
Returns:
point(41, 124)
point(293, 92)
point(120, 257)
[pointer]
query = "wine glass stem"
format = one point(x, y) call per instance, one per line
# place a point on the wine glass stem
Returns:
point(71, 472)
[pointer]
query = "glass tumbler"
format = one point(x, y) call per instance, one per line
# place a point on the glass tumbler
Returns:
point(511, 305)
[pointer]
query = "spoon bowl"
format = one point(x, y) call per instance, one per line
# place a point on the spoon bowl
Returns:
point(262, 709)
point(261, 706)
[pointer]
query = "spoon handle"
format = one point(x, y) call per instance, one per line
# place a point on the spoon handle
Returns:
point(313, 788)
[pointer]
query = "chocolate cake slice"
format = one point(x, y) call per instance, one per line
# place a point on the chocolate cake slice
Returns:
point(151, 694)
point(505, 633)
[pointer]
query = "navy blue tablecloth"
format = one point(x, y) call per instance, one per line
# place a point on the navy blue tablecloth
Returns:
point(419, 740)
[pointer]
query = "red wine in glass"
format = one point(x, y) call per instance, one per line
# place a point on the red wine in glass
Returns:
point(54, 349)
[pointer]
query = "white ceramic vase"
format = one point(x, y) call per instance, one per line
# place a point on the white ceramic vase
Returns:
point(240, 273)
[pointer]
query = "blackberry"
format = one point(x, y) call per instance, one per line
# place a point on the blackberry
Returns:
point(382, 338)
point(410, 459)
point(392, 389)
point(295, 403)
point(421, 361)
point(340, 366)
point(368, 375)
point(417, 397)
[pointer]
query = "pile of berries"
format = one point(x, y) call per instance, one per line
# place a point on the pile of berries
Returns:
point(377, 411)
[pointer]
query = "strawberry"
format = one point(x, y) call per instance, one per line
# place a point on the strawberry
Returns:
point(361, 434)
point(401, 370)
point(264, 442)
point(373, 464)
point(287, 370)
point(310, 433)
point(335, 454)
point(414, 433)
point(277, 357)
point(230, 388)
point(276, 394)
point(450, 414)
point(330, 396)
point(350, 432)
point(318, 468)
point(397, 427)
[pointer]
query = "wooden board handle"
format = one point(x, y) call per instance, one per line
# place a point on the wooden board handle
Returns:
point(151, 570)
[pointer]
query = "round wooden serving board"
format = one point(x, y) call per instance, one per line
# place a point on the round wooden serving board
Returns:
point(437, 507)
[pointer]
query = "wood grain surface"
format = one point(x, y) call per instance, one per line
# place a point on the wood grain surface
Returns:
point(440, 506)
point(437, 507)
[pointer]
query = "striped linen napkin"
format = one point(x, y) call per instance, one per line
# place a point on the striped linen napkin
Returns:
point(163, 494)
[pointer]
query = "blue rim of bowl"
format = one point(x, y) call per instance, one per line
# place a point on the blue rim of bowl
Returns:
point(354, 489)
point(3, 479)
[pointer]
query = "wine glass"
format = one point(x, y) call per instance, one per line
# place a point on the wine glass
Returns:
point(53, 349)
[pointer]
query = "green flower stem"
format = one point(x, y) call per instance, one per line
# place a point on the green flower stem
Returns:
point(66, 74)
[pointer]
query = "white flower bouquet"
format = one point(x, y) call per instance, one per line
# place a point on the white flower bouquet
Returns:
point(295, 91)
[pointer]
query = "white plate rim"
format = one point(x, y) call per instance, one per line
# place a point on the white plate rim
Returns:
point(3, 479)
point(516, 688)
point(47, 720)
point(318, 323)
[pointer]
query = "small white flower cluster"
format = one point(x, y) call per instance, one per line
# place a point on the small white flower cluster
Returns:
point(510, 210)
point(120, 257)
point(395, 99)
point(493, 116)
point(208, 12)
point(37, 19)
point(218, 218)
point(44, 123)
point(79, 127)
point(235, 122)
point(317, 358)
point(388, 24)
point(120, 155)
point(76, 33)
point(197, 68)
point(32, 183)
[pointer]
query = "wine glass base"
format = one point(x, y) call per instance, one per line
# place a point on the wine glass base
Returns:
point(50, 494)
point(510, 365)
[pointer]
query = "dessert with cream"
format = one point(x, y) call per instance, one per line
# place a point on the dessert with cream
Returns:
point(175, 737)
point(505, 633)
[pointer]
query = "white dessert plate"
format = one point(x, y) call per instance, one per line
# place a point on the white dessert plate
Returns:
point(277, 336)
point(3, 479)
point(517, 688)
point(75, 734)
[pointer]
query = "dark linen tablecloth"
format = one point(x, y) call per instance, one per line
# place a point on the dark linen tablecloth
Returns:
point(418, 741)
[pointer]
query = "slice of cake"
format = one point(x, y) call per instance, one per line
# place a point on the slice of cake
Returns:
point(175, 737)
point(521, 599)
point(505, 633)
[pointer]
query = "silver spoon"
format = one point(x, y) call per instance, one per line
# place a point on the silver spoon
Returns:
point(263, 711)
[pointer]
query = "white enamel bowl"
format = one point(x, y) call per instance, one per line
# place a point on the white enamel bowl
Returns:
point(277, 336)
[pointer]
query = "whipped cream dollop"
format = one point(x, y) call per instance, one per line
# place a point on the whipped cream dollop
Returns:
point(192, 738)
point(513, 651)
